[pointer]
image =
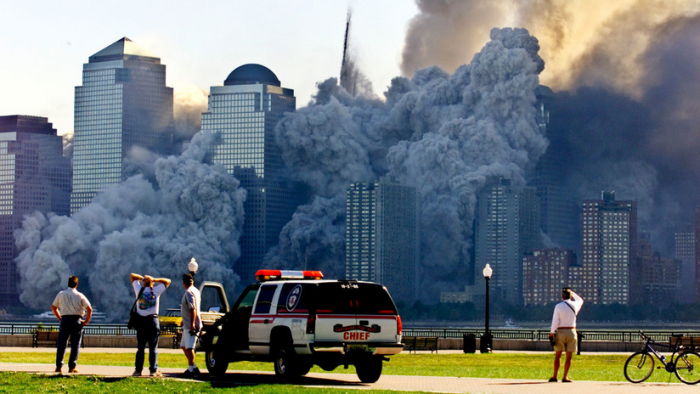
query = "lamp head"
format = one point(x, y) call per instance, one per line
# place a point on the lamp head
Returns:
point(488, 271)
point(192, 266)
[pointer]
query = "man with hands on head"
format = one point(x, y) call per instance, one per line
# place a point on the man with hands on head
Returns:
point(148, 290)
point(563, 331)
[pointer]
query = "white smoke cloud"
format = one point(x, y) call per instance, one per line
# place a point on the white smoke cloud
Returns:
point(140, 226)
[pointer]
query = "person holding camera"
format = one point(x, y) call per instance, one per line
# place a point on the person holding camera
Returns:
point(148, 290)
point(191, 324)
point(562, 334)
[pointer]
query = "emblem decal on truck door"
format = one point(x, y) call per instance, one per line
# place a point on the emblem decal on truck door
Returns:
point(293, 298)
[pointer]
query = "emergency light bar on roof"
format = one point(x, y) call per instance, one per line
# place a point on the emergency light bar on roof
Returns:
point(265, 275)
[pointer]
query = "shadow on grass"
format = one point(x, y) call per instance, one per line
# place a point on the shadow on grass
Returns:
point(254, 379)
point(94, 378)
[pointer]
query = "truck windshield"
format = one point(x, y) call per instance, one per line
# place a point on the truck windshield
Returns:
point(353, 298)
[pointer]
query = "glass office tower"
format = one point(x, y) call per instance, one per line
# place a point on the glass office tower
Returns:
point(122, 103)
point(243, 113)
point(34, 176)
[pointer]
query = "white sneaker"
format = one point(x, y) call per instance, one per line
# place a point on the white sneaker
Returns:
point(156, 374)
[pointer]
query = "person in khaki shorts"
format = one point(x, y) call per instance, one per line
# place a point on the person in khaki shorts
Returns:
point(563, 331)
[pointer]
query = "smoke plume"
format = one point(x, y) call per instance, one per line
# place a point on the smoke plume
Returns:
point(626, 75)
point(141, 226)
point(447, 135)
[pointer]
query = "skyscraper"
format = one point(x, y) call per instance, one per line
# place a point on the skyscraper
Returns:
point(557, 209)
point(381, 236)
point(660, 276)
point(123, 103)
point(34, 176)
point(507, 226)
point(684, 245)
point(610, 272)
point(243, 113)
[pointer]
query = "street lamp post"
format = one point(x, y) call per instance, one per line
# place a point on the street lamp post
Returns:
point(486, 344)
point(192, 266)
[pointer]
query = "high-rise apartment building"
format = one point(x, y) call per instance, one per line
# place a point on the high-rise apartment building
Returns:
point(34, 176)
point(507, 226)
point(381, 236)
point(244, 113)
point(609, 265)
point(545, 272)
point(684, 250)
point(697, 254)
point(123, 103)
point(660, 276)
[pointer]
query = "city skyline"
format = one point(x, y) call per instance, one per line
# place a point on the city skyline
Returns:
point(198, 42)
point(450, 133)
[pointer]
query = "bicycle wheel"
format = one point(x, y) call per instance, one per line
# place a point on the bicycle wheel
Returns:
point(639, 367)
point(688, 367)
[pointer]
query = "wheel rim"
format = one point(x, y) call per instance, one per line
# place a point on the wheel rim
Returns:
point(639, 367)
point(688, 368)
point(281, 365)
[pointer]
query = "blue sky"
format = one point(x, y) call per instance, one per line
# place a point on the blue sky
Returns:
point(45, 43)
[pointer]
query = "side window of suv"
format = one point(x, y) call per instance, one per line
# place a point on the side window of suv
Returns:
point(294, 297)
point(267, 292)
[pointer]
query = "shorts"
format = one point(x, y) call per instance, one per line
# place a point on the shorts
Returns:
point(188, 340)
point(566, 340)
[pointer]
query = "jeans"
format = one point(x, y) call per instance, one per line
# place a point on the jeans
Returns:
point(148, 332)
point(71, 327)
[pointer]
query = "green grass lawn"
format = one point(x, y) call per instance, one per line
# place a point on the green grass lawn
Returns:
point(536, 366)
point(15, 382)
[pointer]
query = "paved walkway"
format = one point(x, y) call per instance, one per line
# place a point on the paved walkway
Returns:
point(387, 382)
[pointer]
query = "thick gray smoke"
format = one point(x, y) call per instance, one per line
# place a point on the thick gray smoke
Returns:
point(446, 135)
point(645, 149)
point(191, 209)
point(626, 111)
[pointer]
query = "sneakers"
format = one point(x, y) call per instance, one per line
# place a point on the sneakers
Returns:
point(136, 373)
point(156, 374)
point(74, 370)
point(58, 370)
point(190, 374)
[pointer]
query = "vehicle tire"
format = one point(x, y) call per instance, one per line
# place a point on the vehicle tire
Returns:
point(688, 367)
point(369, 370)
point(639, 367)
point(286, 363)
point(304, 365)
point(217, 364)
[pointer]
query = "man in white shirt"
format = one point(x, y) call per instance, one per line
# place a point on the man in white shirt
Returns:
point(191, 324)
point(69, 307)
point(563, 331)
point(148, 331)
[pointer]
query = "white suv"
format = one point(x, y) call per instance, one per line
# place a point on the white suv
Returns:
point(297, 319)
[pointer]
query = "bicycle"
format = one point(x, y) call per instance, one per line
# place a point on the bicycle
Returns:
point(684, 362)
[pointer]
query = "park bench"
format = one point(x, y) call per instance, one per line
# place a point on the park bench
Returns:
point(48, 338)
point(412, 344)
point(45, 338)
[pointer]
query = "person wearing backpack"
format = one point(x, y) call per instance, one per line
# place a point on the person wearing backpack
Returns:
point(148, 290)
point(562, 334)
